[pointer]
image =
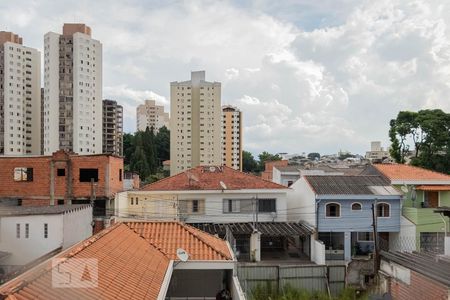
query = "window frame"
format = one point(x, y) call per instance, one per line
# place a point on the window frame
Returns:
point(333, 217)
point(360, 206)
point(364, 240)
point(389, 209)
point(26, 174)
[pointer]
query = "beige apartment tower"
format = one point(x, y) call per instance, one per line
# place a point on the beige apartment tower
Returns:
point(20, 93)
point(232, 137)
point(72, 91)
point(195, 123)
point(150, 114)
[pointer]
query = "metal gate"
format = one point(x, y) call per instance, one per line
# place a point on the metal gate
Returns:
point(432, 242)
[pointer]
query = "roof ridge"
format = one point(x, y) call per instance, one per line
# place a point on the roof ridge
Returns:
point(412, 166)
point(164, 179)
point(191, 230)
point(148, 241)
point(256, 177)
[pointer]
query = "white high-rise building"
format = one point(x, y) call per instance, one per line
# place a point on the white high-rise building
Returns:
point(232, 137)
point(20, 85)
point(72, 91)
point(195, 123)
point(150, 114)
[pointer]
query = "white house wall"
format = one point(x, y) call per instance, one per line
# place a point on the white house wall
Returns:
point(77, 226)
point(301, 203)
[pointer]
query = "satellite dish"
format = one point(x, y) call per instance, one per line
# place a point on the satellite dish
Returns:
point(223, 185)
point(212, 169)
point(182, 254)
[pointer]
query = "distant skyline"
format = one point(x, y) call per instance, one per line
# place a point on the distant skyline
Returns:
point(309, 76)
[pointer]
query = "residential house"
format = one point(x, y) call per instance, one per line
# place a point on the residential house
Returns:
point(29, 233)
point(225, 202)
point(424, 191)
point(417, 276)
point(145, 260)
point(342, 209)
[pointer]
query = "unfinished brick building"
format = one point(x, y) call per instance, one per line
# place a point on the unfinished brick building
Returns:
point(62, 178)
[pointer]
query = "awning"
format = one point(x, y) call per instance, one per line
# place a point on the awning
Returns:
point(433, 188)
point(266, 228)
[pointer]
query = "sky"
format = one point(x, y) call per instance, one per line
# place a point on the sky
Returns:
point(309, 76)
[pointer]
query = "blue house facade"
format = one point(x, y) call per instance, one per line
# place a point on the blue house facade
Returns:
point(345, 208)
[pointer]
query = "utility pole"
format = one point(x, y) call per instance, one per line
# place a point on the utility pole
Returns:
point(375, 237)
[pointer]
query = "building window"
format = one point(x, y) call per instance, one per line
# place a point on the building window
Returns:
point(23, 174)
point(27, 230)
point(356, 206)
point(45, 230)
point(194, 206)
point(290, 182)
point(231, 206)
point(137, 200)
point(267, 205)
point(365, 236)
point(120, 174)
point(333, 210)
point(61, 172)
point(18, 231)
point(383, 210)
point(132, 201)
point(87, 174)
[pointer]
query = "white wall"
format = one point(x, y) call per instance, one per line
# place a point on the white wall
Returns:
point(317, 252)
point(405, 240)
point(25, 250)
point(301, 203)
point(77, 226)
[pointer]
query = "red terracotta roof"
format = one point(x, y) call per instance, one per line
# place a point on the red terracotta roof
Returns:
point(209, 178)
point(408, 172)
point(433, 188)
point(129, 267)
point(169, 236)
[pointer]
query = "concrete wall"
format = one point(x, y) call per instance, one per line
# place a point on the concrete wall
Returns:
point(405, 239)
point(301, 203)
point(318, 252)
point(77, 226)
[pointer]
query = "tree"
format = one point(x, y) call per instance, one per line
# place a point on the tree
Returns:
point(138, 161)
point(149, 146)
point(429, 131)
point(266, 156)
point(249, 164)
point(128, 147)
point(313, 156)
point(162, 141)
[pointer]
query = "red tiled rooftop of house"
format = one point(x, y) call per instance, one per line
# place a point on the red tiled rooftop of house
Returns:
point(169, 236)
point(408, 172)
point(433, 188)
point(129, 267)
point(210, 178)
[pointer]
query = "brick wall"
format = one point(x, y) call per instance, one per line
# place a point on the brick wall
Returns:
point(421, 288)
point(38, 191)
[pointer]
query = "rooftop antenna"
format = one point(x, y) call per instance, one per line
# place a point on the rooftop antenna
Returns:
point(223, 185)
point(182, 255)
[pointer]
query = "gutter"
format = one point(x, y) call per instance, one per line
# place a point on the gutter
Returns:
point(165, 284)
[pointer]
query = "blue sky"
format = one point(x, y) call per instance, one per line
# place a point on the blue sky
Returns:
point(308, 75)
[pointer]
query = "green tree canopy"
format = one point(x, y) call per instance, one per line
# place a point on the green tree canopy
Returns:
point(249, 164)
point(266, 156)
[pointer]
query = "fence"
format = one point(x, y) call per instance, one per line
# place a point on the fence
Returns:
point(329, 279)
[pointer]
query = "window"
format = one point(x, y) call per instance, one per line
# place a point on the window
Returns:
point(333, 210)
point(290, 182)
point(231, 206)
point(194, 206)
point(45, 230)
point(18, 231)
point(267, 205)
point(87, 174)
point(356, 206)
point(383, 210)
point(365, 236)
point(61, 172)
point(27, 230)
point(120, 174)
point(23, 174)
point(132, 201)
point(60, 201)
point(137, 200)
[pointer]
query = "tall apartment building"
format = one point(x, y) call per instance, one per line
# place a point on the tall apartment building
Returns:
point(72, 91)
point(149, 114)
point(232, 137)
point(195, 123)
point(20, 81)
point(112, 128)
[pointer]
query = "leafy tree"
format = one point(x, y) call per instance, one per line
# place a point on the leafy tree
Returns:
point(148, 142)
point(266, 156)
point(138, 161)
point(162, 141)
point(314, 155)
point(429, 131)
point(128, 147)
point(249, 164)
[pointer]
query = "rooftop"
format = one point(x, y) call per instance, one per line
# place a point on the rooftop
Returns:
point(408, 172)
point(430, 265)
point(40, 210)
point(211, 178)
point(351, 185)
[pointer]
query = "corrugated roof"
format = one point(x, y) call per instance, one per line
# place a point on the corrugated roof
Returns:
point(350, 185)
point(430, 265)
point(40, 210)
point(266, 228)
point(408, 172)
point(209, 178)
point(129, 267)
point(169, 236)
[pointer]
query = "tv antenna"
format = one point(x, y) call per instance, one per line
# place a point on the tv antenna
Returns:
point(182, 255)
point(223, 185)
